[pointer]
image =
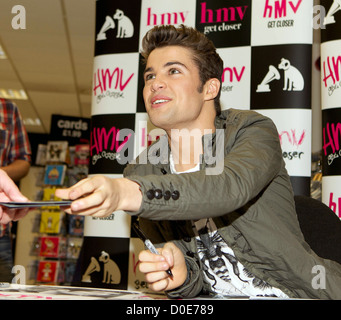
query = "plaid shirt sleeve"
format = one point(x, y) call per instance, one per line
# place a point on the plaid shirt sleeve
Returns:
point(14, 139)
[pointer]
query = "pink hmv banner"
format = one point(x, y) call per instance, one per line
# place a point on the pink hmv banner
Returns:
point(331, 104)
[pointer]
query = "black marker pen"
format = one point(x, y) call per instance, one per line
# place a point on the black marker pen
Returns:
point(148, 243)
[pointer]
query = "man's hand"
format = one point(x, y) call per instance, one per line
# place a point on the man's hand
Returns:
point(100, 196)
point(155, 266)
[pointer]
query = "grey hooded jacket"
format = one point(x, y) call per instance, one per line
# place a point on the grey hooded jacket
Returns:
point(250, 200)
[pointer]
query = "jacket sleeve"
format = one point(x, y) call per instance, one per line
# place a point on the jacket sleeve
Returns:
point(252, 158)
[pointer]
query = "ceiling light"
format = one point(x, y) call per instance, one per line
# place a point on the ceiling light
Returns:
point(13, 94)
point(32, 122)
point(2, 53)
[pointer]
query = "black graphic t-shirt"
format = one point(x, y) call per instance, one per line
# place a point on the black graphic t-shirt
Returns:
point(226, 275)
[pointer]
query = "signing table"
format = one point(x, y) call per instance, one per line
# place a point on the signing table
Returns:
point(44, 292)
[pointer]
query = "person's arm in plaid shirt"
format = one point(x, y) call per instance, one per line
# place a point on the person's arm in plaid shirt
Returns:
point(19, 156)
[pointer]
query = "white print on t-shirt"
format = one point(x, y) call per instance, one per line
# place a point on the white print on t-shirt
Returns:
point(225, 273)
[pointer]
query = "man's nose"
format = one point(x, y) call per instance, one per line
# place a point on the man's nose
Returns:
point(158, 84)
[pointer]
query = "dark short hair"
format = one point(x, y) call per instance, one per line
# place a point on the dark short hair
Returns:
point(205, 56)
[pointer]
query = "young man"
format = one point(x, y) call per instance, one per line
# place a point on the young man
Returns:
point(231, 233)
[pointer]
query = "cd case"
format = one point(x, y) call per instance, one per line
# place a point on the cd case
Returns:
point(35, 204)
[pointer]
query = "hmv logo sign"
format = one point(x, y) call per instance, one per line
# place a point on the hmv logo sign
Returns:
point(331, 77)
point(335, 204)
point(124, 27)
point(111, 142)
point(280, 8)
point(225, 21)
point(231, 75)
point(110, 83)
point(117, 27)
point(331, 142)
point(294, 140)
point(222, 14)
point(154, 19)
point(221, 18)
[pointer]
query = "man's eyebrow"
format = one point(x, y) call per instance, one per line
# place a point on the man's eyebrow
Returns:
point(168, 64)
point(171, 63)
point(147, 70)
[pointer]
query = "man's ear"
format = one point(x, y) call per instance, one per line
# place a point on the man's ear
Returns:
point(212, 87)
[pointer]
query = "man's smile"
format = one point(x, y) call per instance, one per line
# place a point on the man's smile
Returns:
point(157, 101)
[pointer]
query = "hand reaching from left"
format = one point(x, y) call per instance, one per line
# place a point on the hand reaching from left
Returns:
point(10, 192)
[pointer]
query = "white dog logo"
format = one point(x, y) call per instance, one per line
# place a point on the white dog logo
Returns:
point(125, 28)
point(293, 79)
point(112, 273)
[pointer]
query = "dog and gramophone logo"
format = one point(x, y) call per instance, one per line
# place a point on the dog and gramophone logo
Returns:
point(104, 262)
point(280, 76)
point(293, 79)
point(117, 27)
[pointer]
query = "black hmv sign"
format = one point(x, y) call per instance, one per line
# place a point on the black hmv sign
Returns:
point(104, 263)
point(331, 137)
point(227, 23)
point(117, 26)
point(111, 142)
point(281, 77)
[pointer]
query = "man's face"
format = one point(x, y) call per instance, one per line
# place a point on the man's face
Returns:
point(171, 93)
